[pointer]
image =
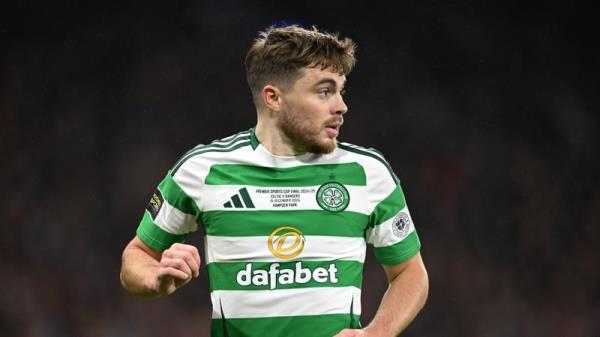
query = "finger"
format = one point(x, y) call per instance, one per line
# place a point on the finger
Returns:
point(186, 257)
point(188, 248)
point(169, 279)
point(164, 273)
point(176, 263)
point(165, 284)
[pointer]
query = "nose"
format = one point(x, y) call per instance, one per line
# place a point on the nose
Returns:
point(340, 107)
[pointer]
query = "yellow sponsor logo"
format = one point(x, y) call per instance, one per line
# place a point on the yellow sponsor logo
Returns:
point(286, 242)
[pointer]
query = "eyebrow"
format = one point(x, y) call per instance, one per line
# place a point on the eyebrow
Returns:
point(328, 81)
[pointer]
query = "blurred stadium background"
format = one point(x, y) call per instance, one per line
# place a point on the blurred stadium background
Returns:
point(488, 113)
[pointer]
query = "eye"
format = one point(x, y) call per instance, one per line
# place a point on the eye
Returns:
point(343, 92)
point(325, 92)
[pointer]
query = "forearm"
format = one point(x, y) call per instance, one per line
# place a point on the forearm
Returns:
point(139, 271)
point(404, 298)
point(149, 273)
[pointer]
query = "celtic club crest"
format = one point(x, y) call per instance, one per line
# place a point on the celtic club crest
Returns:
point(333, 197)
point(401, 225)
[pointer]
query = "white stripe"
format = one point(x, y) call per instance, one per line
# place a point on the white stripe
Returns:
point(174, 221)
point(256, 249)
point(262, 157)
point(285, 302)
point(381, 187)
point(190, 176)
point(290, 198)
point(383, 235)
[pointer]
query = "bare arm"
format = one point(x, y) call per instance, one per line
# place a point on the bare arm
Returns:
point(148, 273)
point(404, 298)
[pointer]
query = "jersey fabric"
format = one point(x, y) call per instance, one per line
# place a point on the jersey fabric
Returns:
point(285, 237)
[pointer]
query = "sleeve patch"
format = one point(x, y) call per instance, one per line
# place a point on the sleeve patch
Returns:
point(401, 225)
point(155, 204)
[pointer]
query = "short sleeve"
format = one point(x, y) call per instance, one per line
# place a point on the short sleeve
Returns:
point(170, 217)
point(391, 230)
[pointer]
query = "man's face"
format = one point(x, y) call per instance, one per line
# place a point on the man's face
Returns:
point(312, 111)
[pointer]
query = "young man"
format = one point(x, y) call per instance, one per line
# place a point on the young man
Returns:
point(286, 210)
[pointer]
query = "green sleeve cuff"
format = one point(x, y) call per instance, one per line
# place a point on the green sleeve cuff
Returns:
point(400, 252)
point(155, 237)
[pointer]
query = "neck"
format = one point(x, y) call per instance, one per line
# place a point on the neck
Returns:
point(273, 139)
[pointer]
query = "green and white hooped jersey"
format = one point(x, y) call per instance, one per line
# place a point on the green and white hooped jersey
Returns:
point(285, 237)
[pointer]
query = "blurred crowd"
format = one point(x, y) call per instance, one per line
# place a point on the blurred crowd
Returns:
point(487, 116)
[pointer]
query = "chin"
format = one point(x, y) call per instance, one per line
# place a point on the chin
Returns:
point(323, 147)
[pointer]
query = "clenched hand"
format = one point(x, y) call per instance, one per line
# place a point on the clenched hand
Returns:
point(178, 265)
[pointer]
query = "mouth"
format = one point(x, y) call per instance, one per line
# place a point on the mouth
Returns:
point(333, 130)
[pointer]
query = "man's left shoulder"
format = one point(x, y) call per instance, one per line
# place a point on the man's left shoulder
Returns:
point(346, 145)
point(371, 158)
point(368, 154)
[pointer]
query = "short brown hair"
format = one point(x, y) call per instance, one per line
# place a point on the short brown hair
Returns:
point(278, 55)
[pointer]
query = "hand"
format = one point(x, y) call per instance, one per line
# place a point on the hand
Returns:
point(178, 265)
point(352, 333)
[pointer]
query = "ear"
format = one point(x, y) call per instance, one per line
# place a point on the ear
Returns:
point(271, 96)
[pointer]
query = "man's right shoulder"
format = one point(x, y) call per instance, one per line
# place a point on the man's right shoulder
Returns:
point(223, 146)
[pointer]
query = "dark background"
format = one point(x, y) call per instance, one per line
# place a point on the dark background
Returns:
point(488, 114)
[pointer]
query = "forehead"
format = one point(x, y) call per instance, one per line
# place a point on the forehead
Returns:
point(315, 76)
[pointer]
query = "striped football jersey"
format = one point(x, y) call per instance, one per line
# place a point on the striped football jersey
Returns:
point(285, 237)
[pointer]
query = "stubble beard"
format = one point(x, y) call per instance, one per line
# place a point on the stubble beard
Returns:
point(304, 135)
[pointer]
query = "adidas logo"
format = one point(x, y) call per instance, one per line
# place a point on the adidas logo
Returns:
point(236, 200)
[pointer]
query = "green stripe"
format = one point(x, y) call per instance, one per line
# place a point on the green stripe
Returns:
point(296, 326)
point(388, 207)
point(311, 175)
point(262, 223)
point(400, 252)
point(223, 276)
point(176, 197)
point(366, 152)
point(205, 150)
point(155, 237)
point(246, 198)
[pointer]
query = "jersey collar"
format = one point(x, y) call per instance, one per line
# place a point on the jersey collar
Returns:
point(254, 142)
